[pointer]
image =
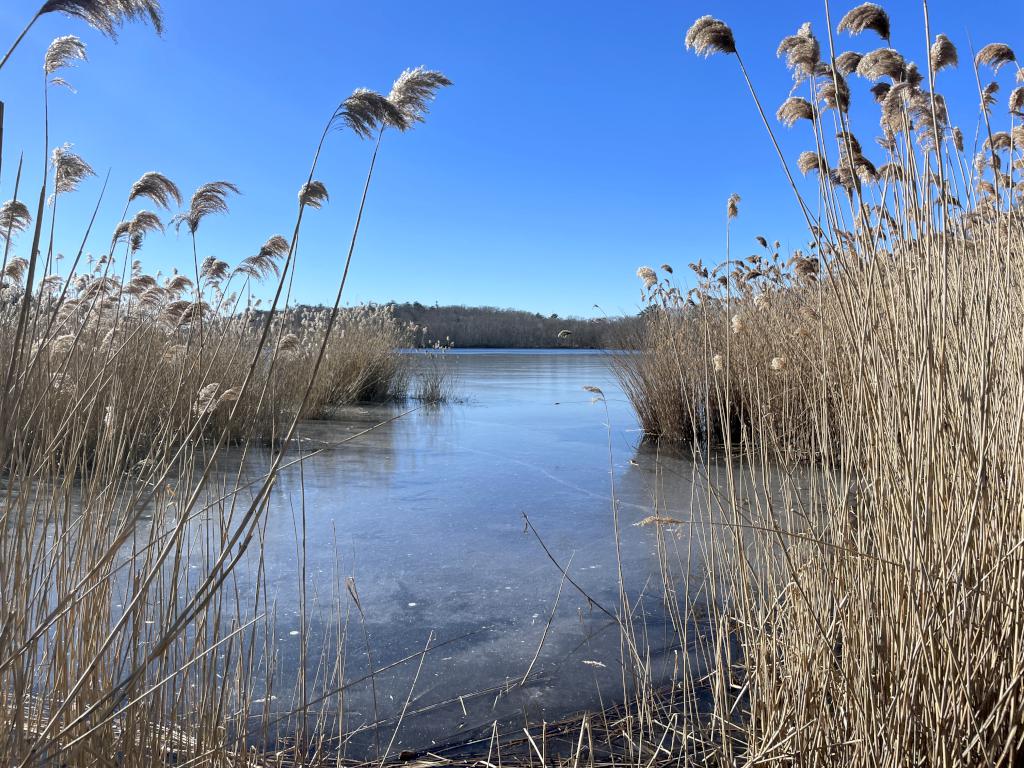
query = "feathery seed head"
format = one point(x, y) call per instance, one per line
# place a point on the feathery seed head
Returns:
point(846, 63)
point(208, 199)
point(778, 363)
point(412, 93)
point(732, 206)
point(157, 188)
point(809, 161)
point(108, 15)
point(943, 53)
point(995, 55)
point(738, 323)
point(366, 112)
point(883, 62)
point(314, 194)
point(718, 362)
point(709, 35)
point(648, 275)
point(63, 52)
point(802, 52)
point(794, 108)
point(14, 218)
point(69, 169)
point(1016, 102)
point(866, 16)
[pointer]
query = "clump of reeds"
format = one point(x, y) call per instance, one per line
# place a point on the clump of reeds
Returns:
point(864, 523)
point(124, 638)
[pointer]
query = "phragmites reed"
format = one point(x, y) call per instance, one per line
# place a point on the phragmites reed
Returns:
point(208, 199)
point(802, 52)
point(834, 92)
point(14, 218)
point(1016, 103)
point(260, 265)
point(863, 17)
point(883, 62)
point(314, 194)
point(108, 16)
point(366, 111)
point(995, 55)
point(158, 188)
point(943, 53)
point(412, 93)
point(63, 52)
point(69, 169)
point(794, 108)
point(648, 276)
point(709, 35)
point(846, 63)
point(732, 206)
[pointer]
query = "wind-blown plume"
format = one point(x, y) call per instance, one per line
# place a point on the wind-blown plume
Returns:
point(366, 111)
point(995, 55)
point(157, 188)
point(260, 265)
point(880, 91)
point(314, 194)
point(834, 93)
point(732, 206)
point(108, 15)
point(63, 52)
point(866, 16)
point(709, 35)
point(214, 269)
point(14, 218)
point(413, 91)
point(208, 199)
point(846, 63)
point(802, 52)
point(810, 161)
point(69, 170)
point(884, 62)
point(943, 53)
point(138, 227)
point(1016, 103)
point(16, 269)
point(794, 108)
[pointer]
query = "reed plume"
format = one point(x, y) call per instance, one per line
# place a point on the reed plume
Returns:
point(995, 55)
point(69, 169)
point(63, 52)
point(863, 17)
point(366, 111)
point(158, 188)
point(260, 265)
point(412, 93)
point(14, 218)
point(846, 63)
point(709, 35)
point(943, 53)
point(107, 16)
point(883, 62)
point(208, 199)
point(314, 194)
point(802, 52)
point(732, 206)
point(794, 108)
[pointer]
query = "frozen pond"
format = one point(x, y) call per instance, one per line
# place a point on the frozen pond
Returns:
point(425, 513)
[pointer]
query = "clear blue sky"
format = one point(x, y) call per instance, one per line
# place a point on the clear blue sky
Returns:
point(580, 139)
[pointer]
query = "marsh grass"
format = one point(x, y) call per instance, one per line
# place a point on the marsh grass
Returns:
point(126, 634)
point(873, 592)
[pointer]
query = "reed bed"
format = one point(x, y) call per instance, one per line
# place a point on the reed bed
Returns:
point(872, 589)
point(125, 638)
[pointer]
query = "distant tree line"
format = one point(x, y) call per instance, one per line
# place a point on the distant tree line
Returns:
point(491, 327)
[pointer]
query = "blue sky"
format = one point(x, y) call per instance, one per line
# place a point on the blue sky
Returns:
point(580, 139)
